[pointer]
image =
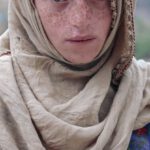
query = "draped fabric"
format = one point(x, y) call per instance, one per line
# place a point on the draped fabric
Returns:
point(49, 103)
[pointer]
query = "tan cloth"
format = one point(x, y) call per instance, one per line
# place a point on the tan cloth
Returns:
point(46, 105)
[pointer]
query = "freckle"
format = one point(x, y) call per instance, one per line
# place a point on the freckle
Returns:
point(55, 19)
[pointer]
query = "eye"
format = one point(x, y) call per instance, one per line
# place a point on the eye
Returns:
point(60, 1)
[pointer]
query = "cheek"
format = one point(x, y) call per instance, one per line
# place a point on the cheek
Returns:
point(103, 16)
point(53, 24)
point(51, 20)
point(102, 22)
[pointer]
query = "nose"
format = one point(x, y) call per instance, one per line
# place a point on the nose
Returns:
point(80, 13)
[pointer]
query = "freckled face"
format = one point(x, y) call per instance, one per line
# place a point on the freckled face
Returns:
point(76, 28)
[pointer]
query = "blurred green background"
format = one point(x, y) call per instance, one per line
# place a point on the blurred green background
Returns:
point(143, 29)
point(142, 26)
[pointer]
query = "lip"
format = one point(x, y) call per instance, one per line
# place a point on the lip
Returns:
point(80, 39)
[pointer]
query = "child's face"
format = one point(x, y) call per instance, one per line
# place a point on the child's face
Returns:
point(76, 28)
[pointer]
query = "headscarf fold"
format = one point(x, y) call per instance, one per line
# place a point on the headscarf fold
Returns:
point(53, 104)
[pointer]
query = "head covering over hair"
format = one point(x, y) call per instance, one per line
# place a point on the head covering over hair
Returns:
point(49, 103)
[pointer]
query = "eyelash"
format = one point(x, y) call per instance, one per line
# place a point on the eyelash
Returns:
point(60, 4)
point(66, 1)
point(60, 1)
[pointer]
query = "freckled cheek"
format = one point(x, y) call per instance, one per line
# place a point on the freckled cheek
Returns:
point(102, 14)
point(55, 26)
point(103, 18)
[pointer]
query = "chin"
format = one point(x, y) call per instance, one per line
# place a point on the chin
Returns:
point(80, 55)
point(80, 60)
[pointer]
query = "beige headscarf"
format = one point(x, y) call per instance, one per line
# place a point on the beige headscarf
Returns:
point(49, 103)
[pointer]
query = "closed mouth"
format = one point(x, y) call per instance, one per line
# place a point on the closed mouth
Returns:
point(81, 39)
